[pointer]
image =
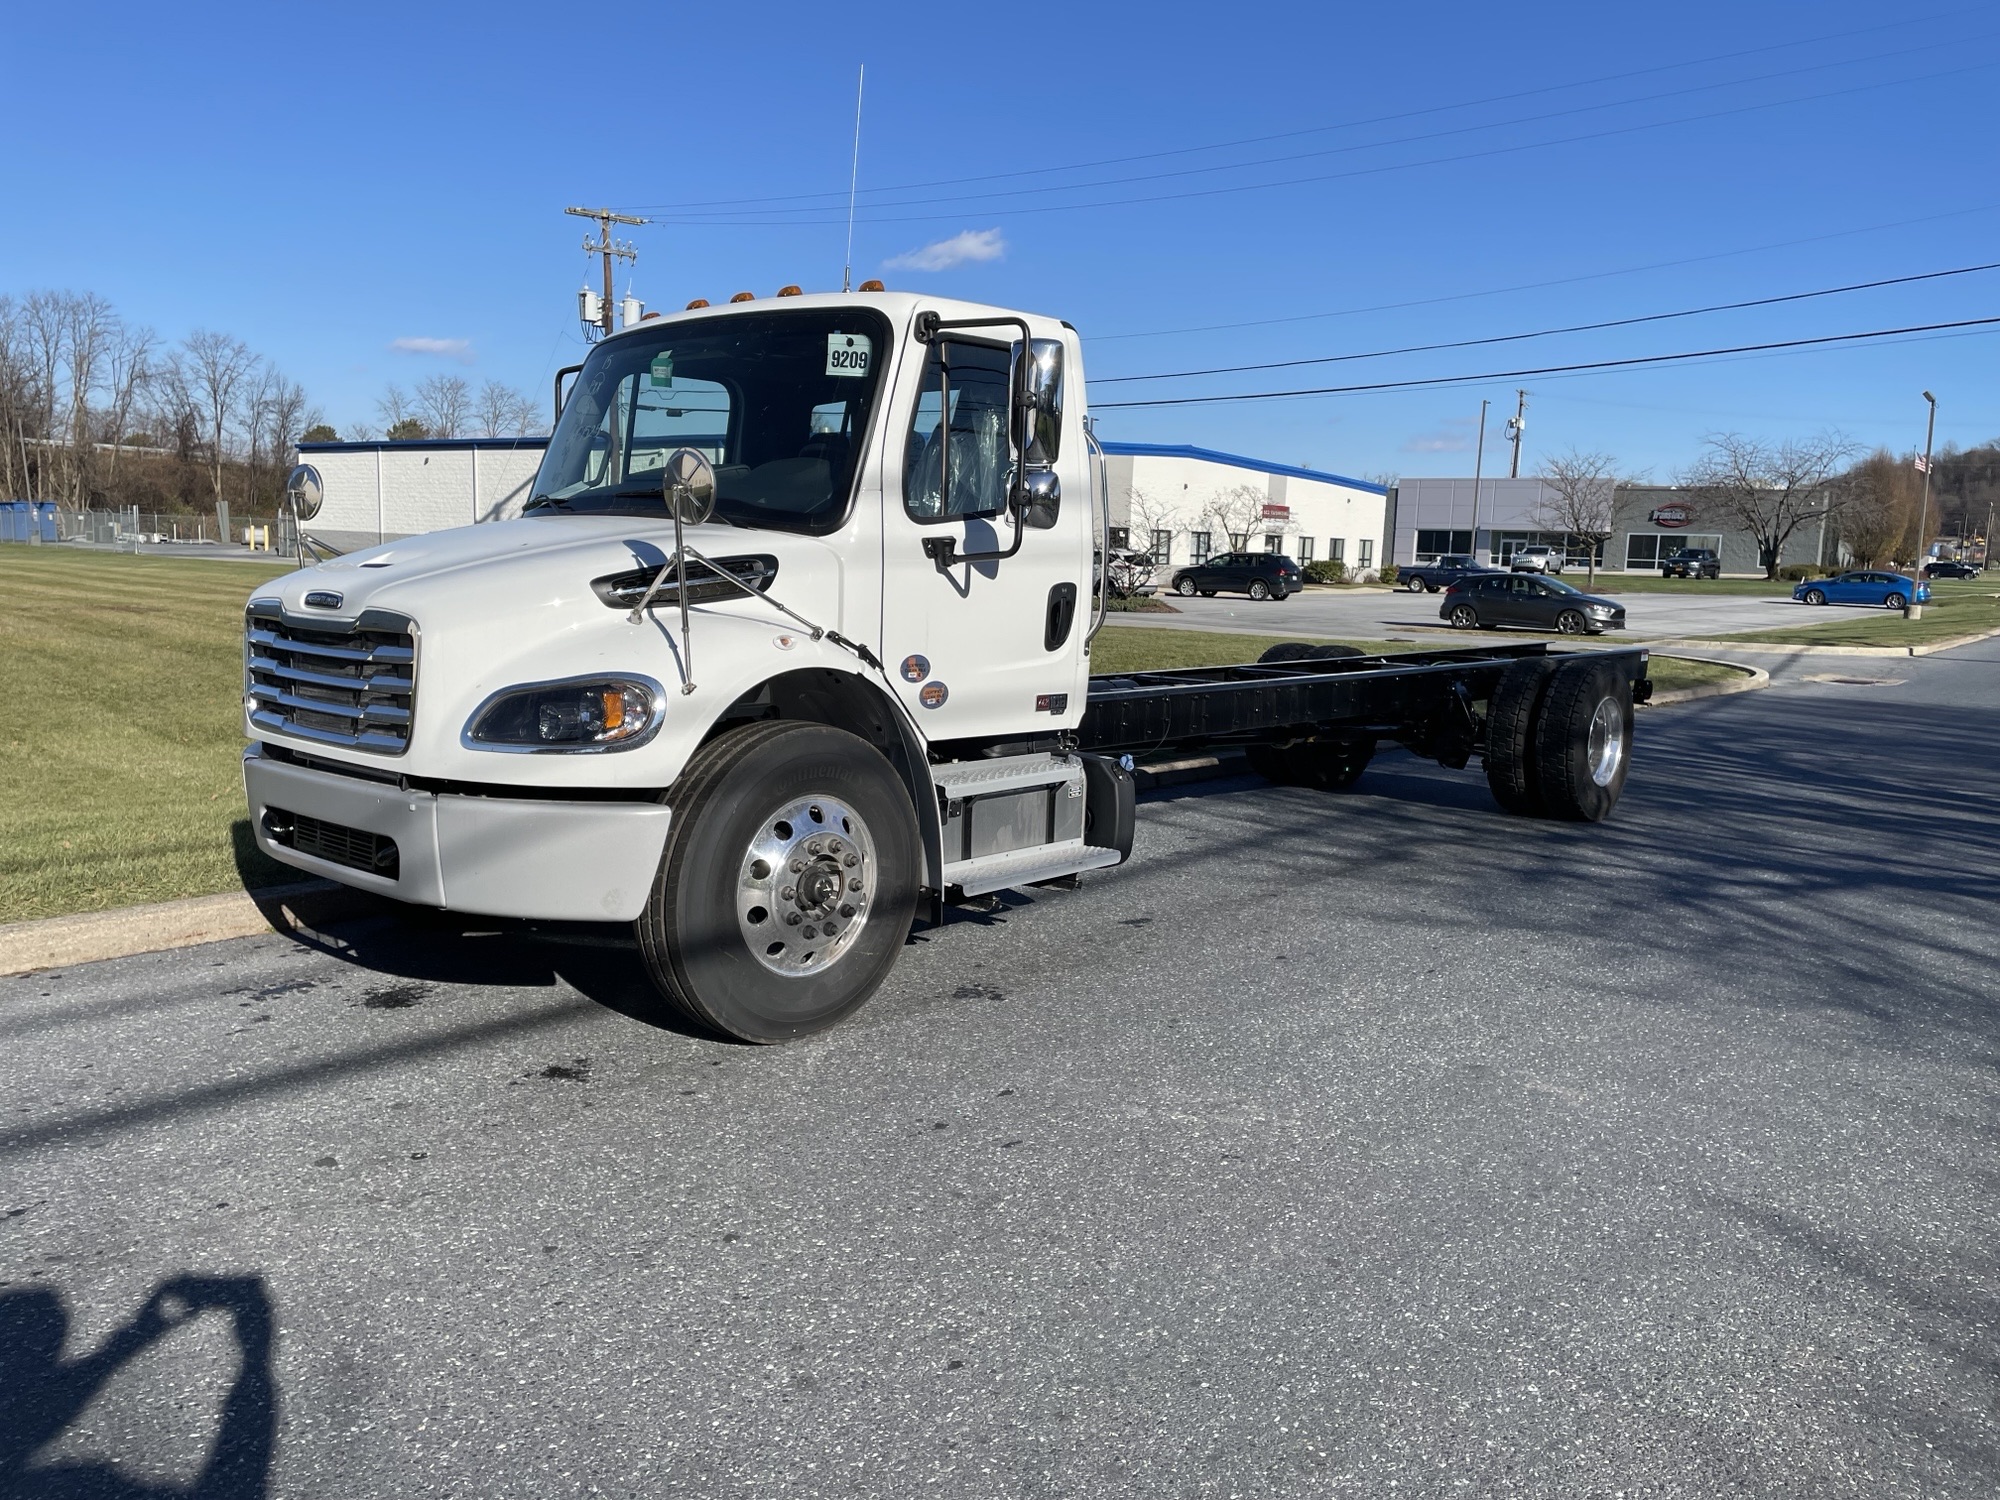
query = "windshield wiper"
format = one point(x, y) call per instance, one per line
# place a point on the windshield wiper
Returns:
point(549, 500)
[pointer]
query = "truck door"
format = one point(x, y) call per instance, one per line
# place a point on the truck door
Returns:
point(992, 646)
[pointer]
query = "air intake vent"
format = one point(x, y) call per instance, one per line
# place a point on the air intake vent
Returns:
point(335, 843)
point(624, 590)
point(352, 686)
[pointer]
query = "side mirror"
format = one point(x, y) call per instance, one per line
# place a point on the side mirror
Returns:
point(687, 483)
point(1038, 390)
point(1041, 499)
point(304, 492)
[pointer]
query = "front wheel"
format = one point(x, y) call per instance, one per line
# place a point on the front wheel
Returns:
point(1464, 616)
point(1185, 588)
point(788, 883)
point(1894, 601)
point(1572, 622)
point(1259, 589)
point(1814, 596)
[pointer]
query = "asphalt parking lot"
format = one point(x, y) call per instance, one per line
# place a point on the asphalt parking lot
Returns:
point(1369, 1145)
point(1371, 615)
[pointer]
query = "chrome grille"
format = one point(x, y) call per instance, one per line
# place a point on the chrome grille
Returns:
point(332, 683)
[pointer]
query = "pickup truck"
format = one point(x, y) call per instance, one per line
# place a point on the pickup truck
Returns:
point(1432, 577)
point(791, 648)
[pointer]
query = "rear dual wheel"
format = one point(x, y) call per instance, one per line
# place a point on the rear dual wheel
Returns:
point(788, 883)
point(1559, 738)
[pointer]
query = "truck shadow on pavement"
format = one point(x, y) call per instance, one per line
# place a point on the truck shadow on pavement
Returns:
point(42, 1394)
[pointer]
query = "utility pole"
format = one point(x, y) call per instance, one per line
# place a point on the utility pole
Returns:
point(1911, 609)
point(1516, 425)
point(1478, 467)
point(607, 247)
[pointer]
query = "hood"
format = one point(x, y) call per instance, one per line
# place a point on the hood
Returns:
point(542, 560)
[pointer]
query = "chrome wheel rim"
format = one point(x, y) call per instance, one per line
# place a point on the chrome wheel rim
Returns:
point(806, 885)
point(1606, 746)
point(1570, 623)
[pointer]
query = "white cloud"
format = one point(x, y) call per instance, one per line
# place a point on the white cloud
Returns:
point(965, 248)
point(458, 349)
point(1453, 435)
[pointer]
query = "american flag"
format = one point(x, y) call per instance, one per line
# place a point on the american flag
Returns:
point(1923, 464)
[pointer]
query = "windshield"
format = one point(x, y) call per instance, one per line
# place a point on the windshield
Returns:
point(779, 402)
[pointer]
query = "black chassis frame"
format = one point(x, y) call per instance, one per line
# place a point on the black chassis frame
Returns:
point(1429, 701)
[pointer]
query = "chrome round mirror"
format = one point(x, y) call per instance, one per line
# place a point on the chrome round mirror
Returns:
point(688, 484)
point(304, 492)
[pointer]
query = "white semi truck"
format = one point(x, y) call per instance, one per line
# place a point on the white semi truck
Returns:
point(791, 647)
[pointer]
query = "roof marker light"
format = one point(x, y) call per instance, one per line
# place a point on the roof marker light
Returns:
point(744, 297)
point(698, 302)
point(871, 285)
point(790, 291)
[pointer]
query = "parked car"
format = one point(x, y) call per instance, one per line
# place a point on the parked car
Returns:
point(1522, 599)
point(1890, 590)
point(1691, 562)
point(1261, 575)
point(1537, 560)
point(1131, 571)
point(1442, 574)
point(1945, 568)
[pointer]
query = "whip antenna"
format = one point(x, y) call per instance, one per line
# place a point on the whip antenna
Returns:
point(853, 179)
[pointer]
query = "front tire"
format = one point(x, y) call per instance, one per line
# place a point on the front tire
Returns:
point(1572, 622)
point(1414, 584)
point(1185, 588)
point(1814, 596)
point(781, 830)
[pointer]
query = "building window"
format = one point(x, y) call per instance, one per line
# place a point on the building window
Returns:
point(1273, 543)
point(1431, 545)
point(1163, 547)
point(1336, 549)
point(1366, 555)
point(1644, 549)
point(1121, 538)
point(1199, 545)
point(1305, 550)
point(1238, 540)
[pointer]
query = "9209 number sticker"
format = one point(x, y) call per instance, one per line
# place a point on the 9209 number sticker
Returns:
point(848, 353)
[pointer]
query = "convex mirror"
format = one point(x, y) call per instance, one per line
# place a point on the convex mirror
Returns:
point(687, 483)
point(304, 492)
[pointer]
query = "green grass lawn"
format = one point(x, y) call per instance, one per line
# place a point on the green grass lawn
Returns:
point(1959, 606)
point(122, 679)
point(1653, 583)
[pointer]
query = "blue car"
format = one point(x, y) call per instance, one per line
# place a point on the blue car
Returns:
point(1890, 590)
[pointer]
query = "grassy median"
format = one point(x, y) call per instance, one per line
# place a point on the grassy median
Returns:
point(122, 678)
point(1958, 607)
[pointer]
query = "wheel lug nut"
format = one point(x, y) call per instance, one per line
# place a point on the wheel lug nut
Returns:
point(855, 884)
point(833, 846)
point(847, 911)
point(797, 865)
point(852, 860)
point(787, 893)
point(809, 933)
point(792, 919)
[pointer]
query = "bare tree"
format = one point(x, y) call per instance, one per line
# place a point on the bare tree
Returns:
point(393, 405)
point(215, 366)
point(1769, 490)
point(1148, 514)
point(1579, 494)
point(1879, 506)
point(128, 370)
point(1238, 512)
point(444, 401)
point(502, 411)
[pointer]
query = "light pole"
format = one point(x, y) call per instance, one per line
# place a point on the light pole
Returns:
point(1478, 465)
point(1911, 609)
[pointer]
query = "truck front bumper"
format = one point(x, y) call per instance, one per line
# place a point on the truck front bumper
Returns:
point(565, 861)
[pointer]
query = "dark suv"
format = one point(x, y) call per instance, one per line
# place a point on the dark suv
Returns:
point(1946, 568)
point(1261, 575)
point(1691, 562)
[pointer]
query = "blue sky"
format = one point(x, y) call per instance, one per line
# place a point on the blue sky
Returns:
point(327, 181)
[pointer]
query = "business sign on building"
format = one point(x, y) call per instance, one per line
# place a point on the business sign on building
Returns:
point(1674, 514)
point(1277, 512)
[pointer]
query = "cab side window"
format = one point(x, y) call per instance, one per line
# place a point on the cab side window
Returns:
point(957, 457)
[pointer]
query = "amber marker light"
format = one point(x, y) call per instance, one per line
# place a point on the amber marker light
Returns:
point(744, 297)
point(872, 285)
point(698, 302)
point(614, 709)
point(790, 291)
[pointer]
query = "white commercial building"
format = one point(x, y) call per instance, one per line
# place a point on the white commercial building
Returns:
point(1186, 504)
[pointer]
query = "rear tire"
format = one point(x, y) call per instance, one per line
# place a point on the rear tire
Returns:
point(1464, 616)
point(1583, 740)
point(1259, 590)
point(1510, 734)
point(754, 808)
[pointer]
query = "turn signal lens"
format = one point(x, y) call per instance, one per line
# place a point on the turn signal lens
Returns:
point(585, 715)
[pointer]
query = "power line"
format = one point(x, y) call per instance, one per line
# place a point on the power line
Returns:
point(1284, 182)
point(1910, 24)
point(687, 214)
point(1536, 286)
point(1542, 333)
point(1598, 364)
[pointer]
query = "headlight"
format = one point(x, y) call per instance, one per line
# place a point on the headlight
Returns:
point(579, 714)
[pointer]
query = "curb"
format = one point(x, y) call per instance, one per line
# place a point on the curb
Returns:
point(1787, 648)
point(1756, 678)
point(57, 942)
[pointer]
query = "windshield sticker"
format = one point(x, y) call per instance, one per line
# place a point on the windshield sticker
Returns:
point(847, 353)
point(663, 369)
